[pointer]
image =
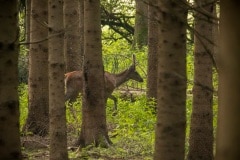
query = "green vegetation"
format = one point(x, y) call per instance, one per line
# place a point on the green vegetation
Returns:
point(131, 127)
point(23, 98)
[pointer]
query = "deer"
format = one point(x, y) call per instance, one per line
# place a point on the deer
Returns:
point(74, 82)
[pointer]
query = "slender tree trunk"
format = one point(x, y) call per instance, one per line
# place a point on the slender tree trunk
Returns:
point(94, 128)
point(38, 117)
point(57, 109)
point(27, 23)
point(141, 24)
point(9, 100)
point(201, 129)
point(152, 49)
point(72, 43)
point(81, 28)
point(171, 102)
point(228, 132)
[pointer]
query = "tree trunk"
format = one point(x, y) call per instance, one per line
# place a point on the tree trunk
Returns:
point(9, 100)
point(57, 109)
point(38, 117)
point(27, 26)
point(141, 24)
point(171, 107)
point(72, 43)
point(201, 128)
point(152, 49)
point(81, 28)
point(94, 128)
point(228, 132)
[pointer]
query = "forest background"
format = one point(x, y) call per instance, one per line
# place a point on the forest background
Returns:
point(172, 114)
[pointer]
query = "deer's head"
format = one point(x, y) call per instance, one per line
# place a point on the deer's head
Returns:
point(133, 74)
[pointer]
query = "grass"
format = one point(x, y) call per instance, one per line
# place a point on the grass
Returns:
point(131, 128)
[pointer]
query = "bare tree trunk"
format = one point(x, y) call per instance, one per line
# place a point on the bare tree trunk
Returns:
point(94, 128)
point(141, 24)
point(152, 49)
point(228, 132)
point(81, 28)
point(72, 43)
point(9, 100)
point(38, 117)
point(27, 22)
point(171, 104)
point(57, 109)
point(201, 128)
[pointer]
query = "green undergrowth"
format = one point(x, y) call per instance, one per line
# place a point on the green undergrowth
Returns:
point(131, 129)
point(23, 99)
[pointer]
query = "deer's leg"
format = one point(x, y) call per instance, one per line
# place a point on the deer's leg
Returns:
point(114, 100)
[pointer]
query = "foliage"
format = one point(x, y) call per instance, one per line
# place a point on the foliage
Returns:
point(23, 101)
point(190, 65)
point(22, 58)
point(74, 116)
point(23, 65)
point(131, 127)
point(117, 19)
point(117, 56)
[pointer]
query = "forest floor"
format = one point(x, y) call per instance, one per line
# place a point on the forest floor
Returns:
point(131, 129)
point(37, 148)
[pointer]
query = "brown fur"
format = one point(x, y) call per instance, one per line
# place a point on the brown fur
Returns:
point(74, 83)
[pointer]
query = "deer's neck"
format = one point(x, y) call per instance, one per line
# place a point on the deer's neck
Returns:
point(121, 78)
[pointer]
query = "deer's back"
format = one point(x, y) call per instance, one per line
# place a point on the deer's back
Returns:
point(74, 84)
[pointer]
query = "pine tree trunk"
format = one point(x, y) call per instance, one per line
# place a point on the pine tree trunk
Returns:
point(38, 117)
point(152, 49)
point(171, 107)
point(9, 100)
point(141, 24)
point(57, 109)
point(81, 27)
point(228, 131)
point(94, 128)
point(201, 129)
point(72, 43)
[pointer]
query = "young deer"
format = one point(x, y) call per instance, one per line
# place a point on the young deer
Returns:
point(74, 82)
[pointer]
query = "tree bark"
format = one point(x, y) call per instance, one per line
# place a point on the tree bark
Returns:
point(141, 24)
point(228, 131)
point(38, 117)
point(57, 109)
point(201, 127)
point(81, 29)
point(152, 49)
point(72, 43)
point(171, 102)
point(94, 128)
point(9, 101)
